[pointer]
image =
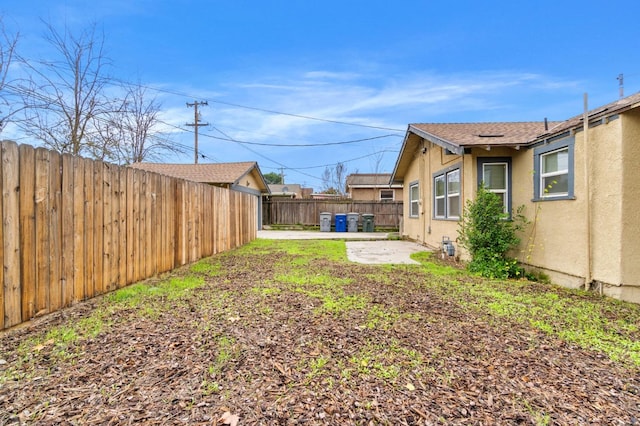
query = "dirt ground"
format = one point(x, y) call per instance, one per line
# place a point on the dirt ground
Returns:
point(269, 351)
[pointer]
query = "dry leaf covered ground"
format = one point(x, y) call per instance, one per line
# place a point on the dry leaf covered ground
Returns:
point(284, 333)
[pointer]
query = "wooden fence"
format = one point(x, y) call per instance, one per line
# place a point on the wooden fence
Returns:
point(387, 214)
point(74, 228)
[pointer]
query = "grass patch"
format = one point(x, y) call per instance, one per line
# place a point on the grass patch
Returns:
point(173, 288)
point(206, 267)
point(571, 315)
point(425, 258)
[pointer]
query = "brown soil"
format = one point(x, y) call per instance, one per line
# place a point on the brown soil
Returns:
point(271, 353)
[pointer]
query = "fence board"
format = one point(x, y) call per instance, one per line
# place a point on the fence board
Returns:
point(130, 224)
point(107, 226)
point(136, 258)
point(75, 228)
point(387, 214)
point(98, 220)
point(146, 240)
point(42, 173)
point(122, 230)
point(27, 230)
point(79, 231)
point(90, 230)
point(11, 234)
point(67, 277)
point(55, 233)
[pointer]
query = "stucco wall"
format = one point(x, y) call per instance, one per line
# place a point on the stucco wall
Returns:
point(373, 194)
point(605, 141)
point(556, 240)
point(413, 227)
point(425, 228)
point(630, 238)
point(250, 181)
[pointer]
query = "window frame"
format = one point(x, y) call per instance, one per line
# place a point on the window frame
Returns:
point(412, 185)
point(482, 161)
point(446, 196)
point(539, 152)
point(393, 195)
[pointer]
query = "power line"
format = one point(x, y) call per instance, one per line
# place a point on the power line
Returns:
point(281, 144)
point(270, 111)
point(301, 145)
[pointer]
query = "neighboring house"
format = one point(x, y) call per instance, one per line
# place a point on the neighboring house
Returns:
point(243, 176)
point(373, 187)
point(580, 191)
point(292, 190)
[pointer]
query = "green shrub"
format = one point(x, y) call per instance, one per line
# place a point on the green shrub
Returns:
point(488, 234)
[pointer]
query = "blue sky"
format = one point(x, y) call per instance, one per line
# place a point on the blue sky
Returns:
point(278, 72)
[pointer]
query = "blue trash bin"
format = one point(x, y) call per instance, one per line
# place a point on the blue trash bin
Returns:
point(341, 223)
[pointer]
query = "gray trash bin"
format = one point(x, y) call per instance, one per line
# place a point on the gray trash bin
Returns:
point(352, 222)
point(367, 223)
point(325, 222)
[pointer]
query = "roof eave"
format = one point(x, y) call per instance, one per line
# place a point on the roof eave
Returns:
point(396, 167)
point(451, 146)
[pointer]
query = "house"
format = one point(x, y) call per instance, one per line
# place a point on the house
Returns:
point(242, 176)
point(373, 187)
point(579, 184)
point(289, 191)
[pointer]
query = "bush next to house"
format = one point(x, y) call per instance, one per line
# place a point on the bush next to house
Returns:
point(488, 233)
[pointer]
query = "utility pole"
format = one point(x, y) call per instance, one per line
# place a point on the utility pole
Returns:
point(196, 123)
point(282, 175)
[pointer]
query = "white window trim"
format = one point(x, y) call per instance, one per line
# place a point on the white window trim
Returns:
point(452, 195)
point(543, 193)
point(437, 197)
point(505, 192)
point(393, 195)
point(443, 174)
point(412, 201)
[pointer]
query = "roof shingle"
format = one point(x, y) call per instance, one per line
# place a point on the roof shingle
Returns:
point(219, 173)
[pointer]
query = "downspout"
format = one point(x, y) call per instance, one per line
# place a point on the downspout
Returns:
point(422, 184)
point(587, 186)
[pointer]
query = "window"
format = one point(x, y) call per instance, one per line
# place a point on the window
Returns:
point(386, 195)
point(453, 193)
point(439, 185)
point(553, 169)
point(495, 174)
point(414, 200)
point(554, 173)
point(446, 194)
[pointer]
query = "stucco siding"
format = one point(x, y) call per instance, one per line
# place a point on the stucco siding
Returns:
point(413, 227)
point(630, 238)
point(605, 142)
point(250, 181)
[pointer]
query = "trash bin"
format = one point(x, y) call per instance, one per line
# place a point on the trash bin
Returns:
point(352, 222)
point(367, 223)
point(341, 223)
point(325, 222)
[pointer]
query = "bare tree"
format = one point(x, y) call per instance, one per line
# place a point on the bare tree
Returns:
point(334, 180)
point(65, 96)
point(130, 133)
point(8, 43)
